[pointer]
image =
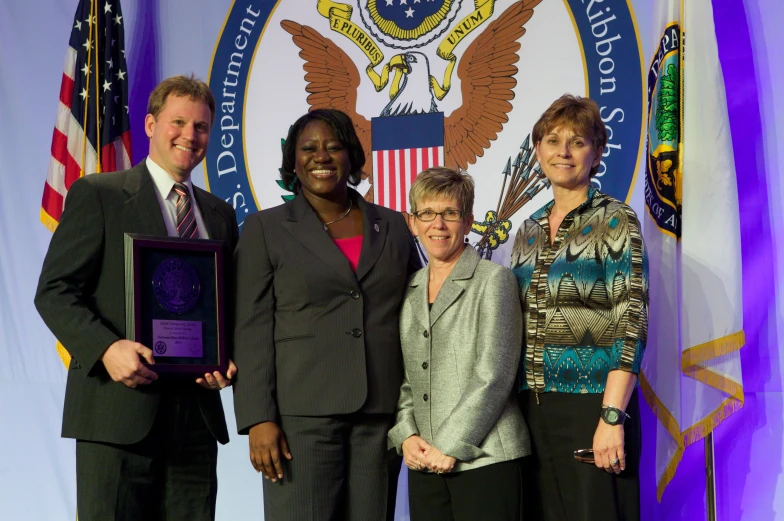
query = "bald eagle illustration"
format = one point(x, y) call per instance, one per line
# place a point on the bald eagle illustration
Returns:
point(487, 78)
point(414, 95)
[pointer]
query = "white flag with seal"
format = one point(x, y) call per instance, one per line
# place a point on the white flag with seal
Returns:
point(691, 374)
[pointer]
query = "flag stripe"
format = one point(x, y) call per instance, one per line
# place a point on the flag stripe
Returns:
point(52, 202)
point(402, 174)
point(125, 152)
point(392, 185)
point(108, 158)
point(62, 155)
point(66, 90)
point(415, 154)
point(379, 178)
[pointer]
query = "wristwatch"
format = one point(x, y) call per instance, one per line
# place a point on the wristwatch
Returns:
point(612, 415)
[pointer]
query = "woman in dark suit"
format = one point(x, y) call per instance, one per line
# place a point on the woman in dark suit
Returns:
point(319, 285)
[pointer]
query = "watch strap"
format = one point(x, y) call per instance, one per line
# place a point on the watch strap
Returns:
point(622, 415)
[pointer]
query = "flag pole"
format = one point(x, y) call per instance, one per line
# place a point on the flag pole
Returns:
point(710, 478)
point(87, 86)
point(98, 168)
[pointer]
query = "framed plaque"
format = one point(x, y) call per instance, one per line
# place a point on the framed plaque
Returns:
point(174, 302)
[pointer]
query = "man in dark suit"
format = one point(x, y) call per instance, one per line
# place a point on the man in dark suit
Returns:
point(146, 447)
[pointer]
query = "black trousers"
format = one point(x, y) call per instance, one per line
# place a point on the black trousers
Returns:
point(560, 488)
point(490, 493)
point(341, 470)
point(168, 476)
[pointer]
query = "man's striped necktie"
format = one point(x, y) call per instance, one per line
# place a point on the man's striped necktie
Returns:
point(186, 220)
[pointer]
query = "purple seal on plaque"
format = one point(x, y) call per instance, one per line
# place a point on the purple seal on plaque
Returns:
point(176, 285)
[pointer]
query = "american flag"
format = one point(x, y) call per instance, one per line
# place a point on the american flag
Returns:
point(402, 147)
point(94, 78)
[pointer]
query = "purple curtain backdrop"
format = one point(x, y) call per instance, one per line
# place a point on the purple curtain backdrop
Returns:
point(751, 438)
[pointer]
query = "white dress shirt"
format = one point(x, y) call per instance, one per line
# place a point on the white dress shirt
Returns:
point(167, 200)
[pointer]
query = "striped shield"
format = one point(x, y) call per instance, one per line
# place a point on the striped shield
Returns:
point(403, 146)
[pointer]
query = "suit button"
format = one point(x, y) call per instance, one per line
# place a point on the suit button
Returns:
point(424, 365)
point(356, 332)
point(355, 294)
point(426, 334)
point(424, 397)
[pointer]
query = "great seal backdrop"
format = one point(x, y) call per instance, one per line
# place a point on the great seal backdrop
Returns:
point(274, 61)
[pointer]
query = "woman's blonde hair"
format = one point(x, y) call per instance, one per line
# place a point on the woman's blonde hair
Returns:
point(443, 183)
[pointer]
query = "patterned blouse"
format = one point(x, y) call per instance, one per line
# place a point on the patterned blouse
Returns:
point(585, 298)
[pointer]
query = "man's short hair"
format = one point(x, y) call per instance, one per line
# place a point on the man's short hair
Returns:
point(182, 86)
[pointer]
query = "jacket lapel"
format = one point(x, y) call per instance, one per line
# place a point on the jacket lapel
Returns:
point(452, 289)
point(374, 235)
point(417, 298)
point(216, 227)
point(142, 212)
point(305, 227)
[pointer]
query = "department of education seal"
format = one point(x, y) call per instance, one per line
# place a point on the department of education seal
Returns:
point(176, 285)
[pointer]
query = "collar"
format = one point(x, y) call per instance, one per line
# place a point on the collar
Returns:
point(299, 207)
point(163, 181)
point(464, 268)
point(545, 210)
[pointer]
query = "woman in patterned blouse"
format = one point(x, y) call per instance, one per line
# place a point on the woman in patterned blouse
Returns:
point(582, 269)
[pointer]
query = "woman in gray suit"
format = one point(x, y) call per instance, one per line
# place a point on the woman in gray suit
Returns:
point(319, 281)
point(458, 425)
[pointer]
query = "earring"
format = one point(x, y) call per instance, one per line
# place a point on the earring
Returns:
point(466, 240)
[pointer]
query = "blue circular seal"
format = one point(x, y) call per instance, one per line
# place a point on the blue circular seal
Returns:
point(160, 347)
point(176, 285)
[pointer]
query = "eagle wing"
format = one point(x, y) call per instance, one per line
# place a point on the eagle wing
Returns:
point(332, 79)
point(486, 73)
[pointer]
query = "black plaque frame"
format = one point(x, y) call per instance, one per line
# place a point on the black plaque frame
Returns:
point(142, 254)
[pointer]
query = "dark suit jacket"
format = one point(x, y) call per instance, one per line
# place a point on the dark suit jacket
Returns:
point(81, 297)
point(313, 338)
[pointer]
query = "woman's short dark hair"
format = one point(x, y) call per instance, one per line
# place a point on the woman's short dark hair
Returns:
point(344, 130)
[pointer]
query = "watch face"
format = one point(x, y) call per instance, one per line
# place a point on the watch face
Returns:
point(611, 415)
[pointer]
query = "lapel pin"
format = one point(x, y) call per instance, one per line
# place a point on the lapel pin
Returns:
point(375, 227)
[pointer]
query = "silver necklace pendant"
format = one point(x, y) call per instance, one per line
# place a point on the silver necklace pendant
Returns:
point(350, 204)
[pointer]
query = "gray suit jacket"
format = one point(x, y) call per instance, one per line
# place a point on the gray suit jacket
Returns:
point(461, 359)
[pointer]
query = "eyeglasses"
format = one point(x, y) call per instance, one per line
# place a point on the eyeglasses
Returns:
point(450, 215)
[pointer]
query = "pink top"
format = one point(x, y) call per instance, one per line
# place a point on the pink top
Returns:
point(351, 248)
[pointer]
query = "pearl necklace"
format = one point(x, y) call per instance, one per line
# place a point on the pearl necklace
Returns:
point(350, 203)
